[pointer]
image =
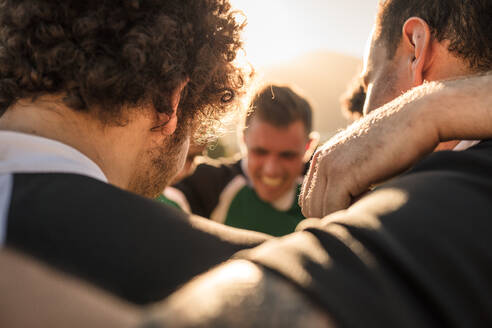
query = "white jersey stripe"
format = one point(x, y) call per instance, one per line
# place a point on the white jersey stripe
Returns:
point(219, 214)
point(5, 194)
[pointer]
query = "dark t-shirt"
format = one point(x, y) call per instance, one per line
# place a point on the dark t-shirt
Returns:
point(417, 252)
point(134, 247)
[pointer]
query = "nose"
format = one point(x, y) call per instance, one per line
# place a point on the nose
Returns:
point(271, 167)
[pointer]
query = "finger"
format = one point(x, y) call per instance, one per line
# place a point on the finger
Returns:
point(306, 184)
point(318, 196)
point(313, 201)
point(327, 203)
point(306, 187)
point(334, 199)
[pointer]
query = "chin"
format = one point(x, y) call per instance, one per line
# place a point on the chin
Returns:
point(151, 183)
point(160, 165)
point(149, 189)
point(268, 196)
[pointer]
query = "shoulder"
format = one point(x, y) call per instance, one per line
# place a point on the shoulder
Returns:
point(76, 206)
point(441, 190)
point(72, 192)
point(119, 240)
point(467, 161)
point(449, 174)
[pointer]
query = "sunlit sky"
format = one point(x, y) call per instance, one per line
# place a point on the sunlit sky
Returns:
point(280, 30)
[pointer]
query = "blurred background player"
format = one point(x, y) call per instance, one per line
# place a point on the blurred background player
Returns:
point(259, 192)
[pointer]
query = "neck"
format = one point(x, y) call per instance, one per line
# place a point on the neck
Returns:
point(107, 146)
point(445, 65)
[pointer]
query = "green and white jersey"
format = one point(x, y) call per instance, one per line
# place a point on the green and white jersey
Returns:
point(224, 194)
point(174, 197)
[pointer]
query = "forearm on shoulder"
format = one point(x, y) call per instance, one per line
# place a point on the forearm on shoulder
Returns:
point(238, 294)
point(460, 108)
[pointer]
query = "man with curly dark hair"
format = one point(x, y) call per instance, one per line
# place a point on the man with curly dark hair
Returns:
point(98, 102)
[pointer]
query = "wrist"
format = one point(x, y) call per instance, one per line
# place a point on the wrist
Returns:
point(426, 115)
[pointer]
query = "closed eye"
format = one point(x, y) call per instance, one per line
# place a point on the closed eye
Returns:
point(259, 151)
point(289, 154)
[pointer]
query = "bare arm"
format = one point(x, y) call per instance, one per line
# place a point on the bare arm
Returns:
point(392, 138)
point(33, 295)
point(238, 294)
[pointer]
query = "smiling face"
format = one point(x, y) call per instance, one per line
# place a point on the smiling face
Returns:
point(275, 157)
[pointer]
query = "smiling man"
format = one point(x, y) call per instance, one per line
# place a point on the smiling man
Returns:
point(260, 191)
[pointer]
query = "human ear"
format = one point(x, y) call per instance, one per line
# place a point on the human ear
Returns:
point(176, 95)
point(417, 40)
point(169, 122)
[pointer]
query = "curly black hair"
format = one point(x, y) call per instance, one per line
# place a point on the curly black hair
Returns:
point(465, 23)
point(115, 54)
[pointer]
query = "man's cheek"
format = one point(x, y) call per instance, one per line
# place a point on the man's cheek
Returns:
point(254, 165)
point(290, 173)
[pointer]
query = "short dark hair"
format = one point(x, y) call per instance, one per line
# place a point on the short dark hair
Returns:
point(353, 99)
point(116, 54)
point(465, 23)
point(280, 106)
